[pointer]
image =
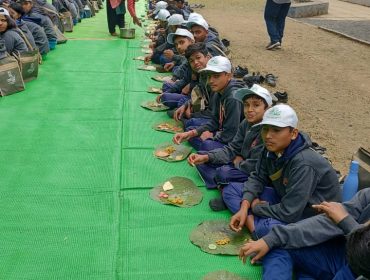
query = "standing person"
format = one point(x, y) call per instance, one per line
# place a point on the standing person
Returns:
point(275, 14)
point(116, 14)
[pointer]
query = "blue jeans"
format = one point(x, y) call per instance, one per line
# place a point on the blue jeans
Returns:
point(275, 15)
point(215, 174)
point(324, 261)
point(195, 122)
point(174, 100)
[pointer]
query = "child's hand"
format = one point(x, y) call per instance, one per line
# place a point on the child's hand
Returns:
point(169, 66)
point(259, 248)
point(147, 59)
point(181, 137)
point(206, 135)
point(334, 210)
point(237, 159)
point(195, 159)
point(239, 219)
point(179, 113)
point(168, 54)
point(186, 89)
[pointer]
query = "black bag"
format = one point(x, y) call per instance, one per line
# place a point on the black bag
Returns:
point(363, 158)
point(11, 80)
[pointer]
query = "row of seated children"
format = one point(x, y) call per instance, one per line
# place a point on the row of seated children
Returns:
point(33, 24)
point(268, 175)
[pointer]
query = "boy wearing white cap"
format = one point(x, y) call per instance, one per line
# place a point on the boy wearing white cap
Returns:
point(234, 162)
point(226, 111)
point(290, 177)
point(174, 92)
point(200, 29)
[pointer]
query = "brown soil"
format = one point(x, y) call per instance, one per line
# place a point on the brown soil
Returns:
point(326, 76)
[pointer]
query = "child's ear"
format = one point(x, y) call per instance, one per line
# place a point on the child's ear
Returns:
point(294, 134)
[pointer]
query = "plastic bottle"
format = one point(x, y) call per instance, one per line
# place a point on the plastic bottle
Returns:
point(350, 185)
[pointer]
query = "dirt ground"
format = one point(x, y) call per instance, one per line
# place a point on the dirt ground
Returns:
point(326, 76)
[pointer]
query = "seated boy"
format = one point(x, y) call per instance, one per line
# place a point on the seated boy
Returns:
point(200, 29)
point(163, 52)
point(289, 177)
point(180, 7)
point(196, 111)
point(176, 91)
point(316, 247)
point(227, 112)
point(234, 162)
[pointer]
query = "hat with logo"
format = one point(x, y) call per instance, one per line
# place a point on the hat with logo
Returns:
point(179, 32)
point(163, 15)
point(243, 93)
point(4, 12)
point(281, 115)
point(218, 64)
point(159, 6)
point(176, 19)
point(197, 20)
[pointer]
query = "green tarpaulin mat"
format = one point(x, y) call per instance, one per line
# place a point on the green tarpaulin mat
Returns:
point(77, 165)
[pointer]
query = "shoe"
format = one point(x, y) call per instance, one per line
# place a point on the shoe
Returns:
point(240, 72)
point(272, 46)
point(226, 42)
point(270, 79)
point(113, 34)
point(282, 97)
point(250, 80)
point(217, 204)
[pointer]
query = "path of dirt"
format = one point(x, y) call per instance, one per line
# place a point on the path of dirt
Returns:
point(327, 76)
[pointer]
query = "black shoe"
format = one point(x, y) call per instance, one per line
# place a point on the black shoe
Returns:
point(250, 80)
point(282, 97)
point(217, 204)
point(240, 72)
point(225, 42)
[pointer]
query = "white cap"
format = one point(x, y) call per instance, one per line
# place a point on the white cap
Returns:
point(242, 93)
point(179, 32)
point(160, 5)
point(281, 115)
point(176, 19)
point(163, 14)
point(218, 64)
point(4, 12)
point(197, 20)
point(194, 15)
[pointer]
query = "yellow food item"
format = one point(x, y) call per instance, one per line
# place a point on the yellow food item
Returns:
point(223, 241)
point(170, 149)
point(176, 200)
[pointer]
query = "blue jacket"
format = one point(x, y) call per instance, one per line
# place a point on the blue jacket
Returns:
point(301, 178)
point(227, 113)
